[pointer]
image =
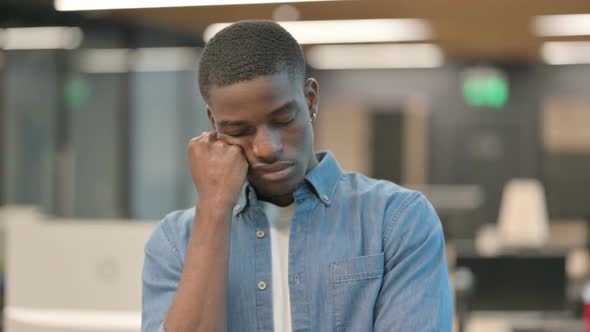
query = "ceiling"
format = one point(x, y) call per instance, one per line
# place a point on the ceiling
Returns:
point(465, 29)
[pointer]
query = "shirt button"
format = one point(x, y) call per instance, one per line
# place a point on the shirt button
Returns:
point(260, 234)
point(250, 195)
point(262, 285)
point(237, 208)
point(325, 198)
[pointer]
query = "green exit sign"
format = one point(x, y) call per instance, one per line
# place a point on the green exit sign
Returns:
point(485, 88)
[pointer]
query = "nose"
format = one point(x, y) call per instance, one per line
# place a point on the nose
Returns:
point(267, 145)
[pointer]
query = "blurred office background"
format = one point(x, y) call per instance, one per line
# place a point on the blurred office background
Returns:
point(482, 105)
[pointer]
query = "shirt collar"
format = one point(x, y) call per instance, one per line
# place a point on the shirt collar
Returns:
point(323, 180)
point(324, 177)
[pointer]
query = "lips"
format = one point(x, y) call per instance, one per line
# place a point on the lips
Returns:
point(275, 172)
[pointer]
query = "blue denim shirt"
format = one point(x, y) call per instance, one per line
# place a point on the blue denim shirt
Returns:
point(364, 255)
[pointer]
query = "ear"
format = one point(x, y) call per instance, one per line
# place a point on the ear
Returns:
point(211, 118)
point(312, 96)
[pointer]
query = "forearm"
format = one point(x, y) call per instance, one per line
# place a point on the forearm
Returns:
point(200, 301)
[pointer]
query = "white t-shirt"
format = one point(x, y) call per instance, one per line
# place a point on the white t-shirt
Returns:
point(280, 225)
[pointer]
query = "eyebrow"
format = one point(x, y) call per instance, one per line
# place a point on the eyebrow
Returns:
point(288, 105)
point(285, 106)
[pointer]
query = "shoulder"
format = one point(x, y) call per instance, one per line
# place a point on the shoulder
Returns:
point(403, 209)
point(392, 196)
point(172, 232)
point(413, 218)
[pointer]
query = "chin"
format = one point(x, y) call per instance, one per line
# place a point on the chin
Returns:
point(274, 189)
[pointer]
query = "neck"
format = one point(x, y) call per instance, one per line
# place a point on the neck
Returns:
point(313, 163)
point(282, 201)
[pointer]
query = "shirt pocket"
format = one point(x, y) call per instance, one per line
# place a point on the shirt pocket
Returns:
point(355, 284)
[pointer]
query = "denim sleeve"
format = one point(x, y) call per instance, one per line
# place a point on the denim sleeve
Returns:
point(161, 274)
point(415, 294)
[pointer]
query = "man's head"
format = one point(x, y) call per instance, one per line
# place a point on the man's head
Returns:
point(252, 76)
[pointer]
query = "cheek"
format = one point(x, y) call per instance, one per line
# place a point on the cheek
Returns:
point(298, 139)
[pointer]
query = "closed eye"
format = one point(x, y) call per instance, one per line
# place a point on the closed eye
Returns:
point(237, 134)
point(285, 118)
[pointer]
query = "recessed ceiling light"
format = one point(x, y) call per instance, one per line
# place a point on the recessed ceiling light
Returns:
point(566, 53)
point(72, 5)
point(41, 38)
point(561, 25)
point(348, 31)
point(375, 56)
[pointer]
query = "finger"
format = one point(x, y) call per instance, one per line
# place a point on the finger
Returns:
point(238, 148)
point(211, 136)
point(198, 137)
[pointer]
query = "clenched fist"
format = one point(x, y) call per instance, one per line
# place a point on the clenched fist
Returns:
point(218, 170)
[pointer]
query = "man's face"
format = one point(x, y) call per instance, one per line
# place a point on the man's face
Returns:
point(269, 118)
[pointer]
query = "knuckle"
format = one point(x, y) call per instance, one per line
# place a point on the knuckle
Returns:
point(219, 144)
point(234, 149)
point(195, 144)
point(192, 144)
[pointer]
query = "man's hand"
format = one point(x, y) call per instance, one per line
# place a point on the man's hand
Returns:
point(218, 169)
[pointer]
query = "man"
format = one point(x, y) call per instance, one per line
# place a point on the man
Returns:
point(281, 238)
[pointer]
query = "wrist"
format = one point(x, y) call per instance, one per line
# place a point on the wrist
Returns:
point(216, 204)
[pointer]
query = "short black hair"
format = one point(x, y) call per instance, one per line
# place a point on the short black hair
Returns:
point(246, 50)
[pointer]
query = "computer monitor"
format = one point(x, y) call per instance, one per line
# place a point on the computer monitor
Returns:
point(520, 282)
